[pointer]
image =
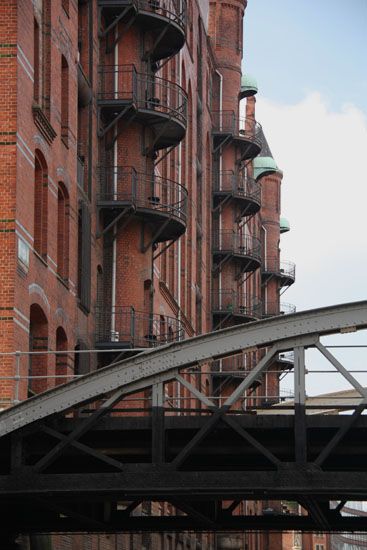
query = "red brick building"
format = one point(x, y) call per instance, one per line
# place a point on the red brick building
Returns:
point(140, 202)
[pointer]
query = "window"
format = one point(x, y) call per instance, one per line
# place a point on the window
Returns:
point(64, 100)
point(36, 62)
point(62, 232)
point(23, 254)
point(38, 342)
point(84, 256)
point(45, 44)
point(40, 205)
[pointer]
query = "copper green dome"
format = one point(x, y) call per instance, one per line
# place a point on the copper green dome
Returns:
point(264, 166)
point(284, 225)
point(248, 86)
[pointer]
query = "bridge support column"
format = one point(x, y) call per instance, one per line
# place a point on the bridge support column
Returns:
point(300, 428)
point(158, 424)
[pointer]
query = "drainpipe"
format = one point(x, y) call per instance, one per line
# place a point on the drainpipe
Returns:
point(114, 245)
point(179, 198)
point(90, 106)
point(220, 176)
point(265, 258)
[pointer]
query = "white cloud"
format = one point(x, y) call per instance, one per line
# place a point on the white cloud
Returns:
point(324, 195)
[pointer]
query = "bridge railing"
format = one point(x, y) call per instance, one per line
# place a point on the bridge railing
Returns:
point(25, 374)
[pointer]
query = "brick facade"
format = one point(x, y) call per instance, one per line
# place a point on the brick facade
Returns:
point(126, 171)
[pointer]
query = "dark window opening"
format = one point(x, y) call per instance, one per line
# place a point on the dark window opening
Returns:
point(84, 256)
point(63, 232)
point(40, 206)
point(64, 100)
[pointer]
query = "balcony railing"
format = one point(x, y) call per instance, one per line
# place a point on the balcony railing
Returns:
point(125, 185)
point(226, 122)
point(283, 268)
point(127, 328)
point(241, 245)
point(236, 184)
point(231, 302)
point(122, 83)
point(271, 309)
point(173, 10)
point(239, 365)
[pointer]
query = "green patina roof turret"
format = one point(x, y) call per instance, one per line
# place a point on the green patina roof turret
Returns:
point(264, 166)
point(284, 225)
point(248, 86)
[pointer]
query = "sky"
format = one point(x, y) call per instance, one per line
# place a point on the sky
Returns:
point(310, 62)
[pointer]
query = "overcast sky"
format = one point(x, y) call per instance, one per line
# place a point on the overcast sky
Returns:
point(309, 59)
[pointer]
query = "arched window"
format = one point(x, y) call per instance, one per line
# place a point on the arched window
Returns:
point(40, 205)
point(62, 232)
point(64, 100)
point(38, 342)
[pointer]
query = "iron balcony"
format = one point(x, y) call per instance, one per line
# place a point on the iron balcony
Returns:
point(165, 19)
point(244, 132)
point(159, 201)
point(272, 309)
point(153, 101)
point(231, 304)
point(245, 250)
point(244, 190)
point(285, 271)
point(123, 327)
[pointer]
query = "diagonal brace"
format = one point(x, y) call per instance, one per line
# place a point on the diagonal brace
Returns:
point(236, 394)
point(79, 431)
point(197, 393)
point(245, 435)
point(335, 440)
point(115, 220)
point(84, 448)
point(342, 370)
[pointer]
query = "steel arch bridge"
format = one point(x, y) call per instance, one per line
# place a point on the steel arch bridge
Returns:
point(84, 455)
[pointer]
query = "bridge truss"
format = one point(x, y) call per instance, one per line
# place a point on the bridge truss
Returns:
point(85, 455)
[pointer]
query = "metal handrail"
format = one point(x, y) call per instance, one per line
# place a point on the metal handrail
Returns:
point(271, 309)
point(145, 91)
point(125, 184)
point(174, 10)
point(236, 243)
point(281, 267)
point(234, 302)
point(227, 122)
point(238, 184)
point(238, 364)
point(124, 324)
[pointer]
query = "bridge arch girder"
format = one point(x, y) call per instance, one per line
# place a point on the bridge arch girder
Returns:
point(162, 364)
